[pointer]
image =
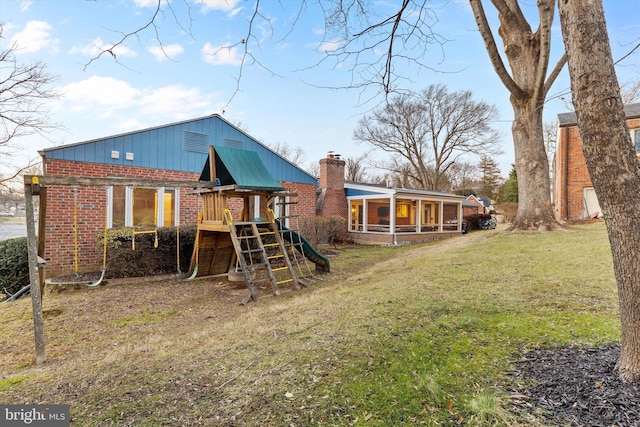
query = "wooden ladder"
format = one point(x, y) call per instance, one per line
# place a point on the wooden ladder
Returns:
point(252, 256)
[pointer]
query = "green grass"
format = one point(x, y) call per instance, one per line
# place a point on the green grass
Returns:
point(424, 334)
point(449, 333)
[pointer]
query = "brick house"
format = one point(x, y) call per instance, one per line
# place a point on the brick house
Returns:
point(378, 214)
point(176, 151)
point(482, 202)
point(470, 208)
point(574, 198)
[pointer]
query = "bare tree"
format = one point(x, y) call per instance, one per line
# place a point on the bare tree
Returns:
point(23, 89)
point(430, 130)
point(355, 169)
point(294, 155)
point(630, 92)
point(463, 175)
point(528, 55)
point(397, 172)
point(610, 157)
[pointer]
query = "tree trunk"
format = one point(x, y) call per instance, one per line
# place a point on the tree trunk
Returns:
point(610, 157)
point(528, 56)
point(534, 200)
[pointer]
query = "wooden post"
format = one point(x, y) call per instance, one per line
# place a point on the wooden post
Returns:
point(42, 227)
point(212, 164)
point(34, 278)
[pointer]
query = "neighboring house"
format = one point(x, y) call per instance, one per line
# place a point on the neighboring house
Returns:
point(382, 215)
point(470, 208)
point(574, 198)
point(482, 202)
point(176, 151)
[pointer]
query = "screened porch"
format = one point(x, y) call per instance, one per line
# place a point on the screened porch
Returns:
point(391, 216)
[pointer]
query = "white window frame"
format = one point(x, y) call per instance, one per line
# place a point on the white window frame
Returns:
point(635, 133)
point(128, 214)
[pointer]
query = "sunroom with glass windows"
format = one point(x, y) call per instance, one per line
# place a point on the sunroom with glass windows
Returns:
point(378, 214)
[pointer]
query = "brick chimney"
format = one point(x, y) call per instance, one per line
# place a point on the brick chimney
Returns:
point(332, 200)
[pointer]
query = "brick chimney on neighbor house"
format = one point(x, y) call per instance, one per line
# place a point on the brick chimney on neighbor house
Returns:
point(332, 200)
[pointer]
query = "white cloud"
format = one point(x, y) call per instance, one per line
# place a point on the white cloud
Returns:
point(127, 108)
point(25, 5)
point(175, 101)
point(95, 46)
point(34, 37)
point(223, 5)
point(166, 52)
point(329, 46)
point(146, 3)
point(220, 55)
point(98, 93)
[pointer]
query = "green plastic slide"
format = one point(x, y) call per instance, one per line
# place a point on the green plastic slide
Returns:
point(304, 247)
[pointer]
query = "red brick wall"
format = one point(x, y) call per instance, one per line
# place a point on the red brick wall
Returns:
point(571, 175)
point(466, 211)
point(334, 201)
point(305, 208)
point(90, 204)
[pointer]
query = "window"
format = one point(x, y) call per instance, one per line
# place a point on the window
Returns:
point(118, 210)
point(450, 216)
point(378, 215)
point(431, 215)
point(139, 206)
point(357, 211)
point(144, 207)
point(635, 137)
point(169, 207)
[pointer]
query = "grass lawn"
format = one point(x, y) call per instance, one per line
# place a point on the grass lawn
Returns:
point(424, 334)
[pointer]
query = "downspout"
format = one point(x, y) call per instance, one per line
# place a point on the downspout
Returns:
point(565, 178)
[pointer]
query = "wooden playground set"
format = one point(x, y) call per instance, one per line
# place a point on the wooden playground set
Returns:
point(254, 246)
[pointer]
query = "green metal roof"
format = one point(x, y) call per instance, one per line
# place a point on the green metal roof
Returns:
point(241, 168)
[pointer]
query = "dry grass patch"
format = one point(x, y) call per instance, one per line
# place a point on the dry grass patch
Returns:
point(398, 335)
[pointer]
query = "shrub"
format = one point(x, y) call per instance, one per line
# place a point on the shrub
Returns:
point(331, 230)
point(14, 265)
point(508, 211)
point(473, 221)
point(146, 259)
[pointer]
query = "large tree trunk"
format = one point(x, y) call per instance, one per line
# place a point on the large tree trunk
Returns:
point(610, 157)
point(534, 201)
point(528, 55)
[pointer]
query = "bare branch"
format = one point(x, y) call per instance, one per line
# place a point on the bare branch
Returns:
point(23, 92)
point(398, 36)
point(489, 41)
point(545, 11)
point(554, 73)
point(430, 131)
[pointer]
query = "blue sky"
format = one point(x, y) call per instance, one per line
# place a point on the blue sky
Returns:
point(282, 100)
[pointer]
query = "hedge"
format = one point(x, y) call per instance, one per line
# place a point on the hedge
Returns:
point(14, 265)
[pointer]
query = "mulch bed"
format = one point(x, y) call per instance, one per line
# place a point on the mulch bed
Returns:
point(576, 386)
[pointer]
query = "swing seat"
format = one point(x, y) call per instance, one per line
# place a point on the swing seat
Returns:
point(93, 285)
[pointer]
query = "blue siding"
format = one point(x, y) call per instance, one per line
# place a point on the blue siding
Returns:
point(352, 192)
point(162, 148)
